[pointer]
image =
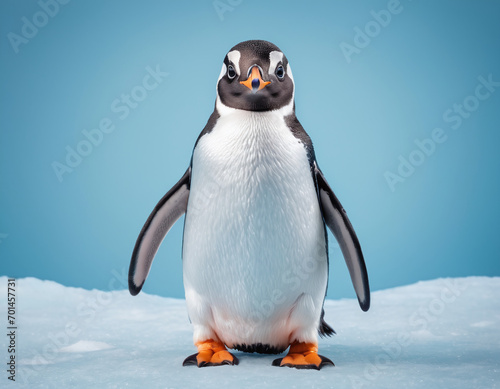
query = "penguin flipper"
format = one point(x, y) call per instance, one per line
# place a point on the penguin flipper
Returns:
point(168, 210)
point(337, 221)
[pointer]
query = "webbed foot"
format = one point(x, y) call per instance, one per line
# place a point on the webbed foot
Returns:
point(303, 356)
point(211, 353)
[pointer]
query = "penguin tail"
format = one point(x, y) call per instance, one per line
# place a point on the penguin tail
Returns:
point(324, 328)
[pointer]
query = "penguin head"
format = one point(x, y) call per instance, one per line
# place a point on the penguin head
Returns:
point(255, 76)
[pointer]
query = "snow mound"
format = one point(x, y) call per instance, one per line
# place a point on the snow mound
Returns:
point(443, 333)
point(85, 346)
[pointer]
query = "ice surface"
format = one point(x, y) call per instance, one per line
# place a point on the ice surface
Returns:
point(435, 334)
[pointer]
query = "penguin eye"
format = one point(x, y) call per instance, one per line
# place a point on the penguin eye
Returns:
point(280, 72)
point(231, 73)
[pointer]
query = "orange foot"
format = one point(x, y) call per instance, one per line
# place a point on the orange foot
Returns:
point(211, 353)
point(303, 356)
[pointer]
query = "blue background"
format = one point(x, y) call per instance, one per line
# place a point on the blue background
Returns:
point(362, 115)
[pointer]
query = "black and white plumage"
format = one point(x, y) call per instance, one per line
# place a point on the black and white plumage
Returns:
point(255, 250)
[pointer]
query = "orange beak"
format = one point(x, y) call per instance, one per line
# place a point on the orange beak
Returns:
point(254, 82)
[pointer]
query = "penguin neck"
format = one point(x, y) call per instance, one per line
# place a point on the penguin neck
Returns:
point(225, 111)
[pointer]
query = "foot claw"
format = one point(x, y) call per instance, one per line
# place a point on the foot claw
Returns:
point(191, 360)
point(325, 361)
point(276, 362)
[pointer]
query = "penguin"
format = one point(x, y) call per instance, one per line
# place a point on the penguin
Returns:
point(256, 205)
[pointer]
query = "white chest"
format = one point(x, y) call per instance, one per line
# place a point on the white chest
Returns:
point(253, 224)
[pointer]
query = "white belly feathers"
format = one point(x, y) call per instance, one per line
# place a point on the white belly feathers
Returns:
point(254, 240)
